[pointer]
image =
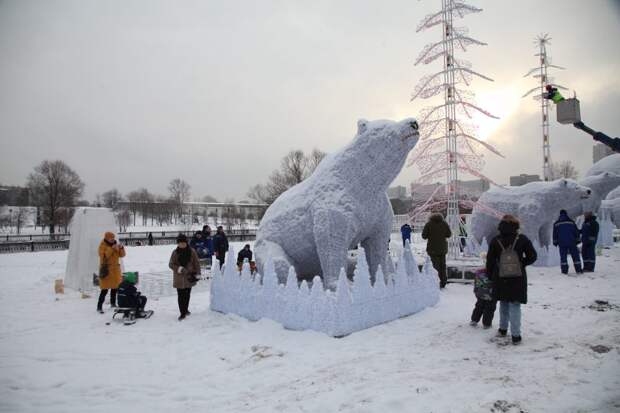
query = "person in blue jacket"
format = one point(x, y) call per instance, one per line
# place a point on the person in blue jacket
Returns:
point(199, 244)
point(589, 235)
point(405, 232)
point(566, 236)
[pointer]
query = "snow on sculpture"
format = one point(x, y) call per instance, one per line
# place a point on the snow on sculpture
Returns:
point(342, 204)
point(536, 204)
point(610, 210)
point(601, 185)
point(87, 228)
point(353, 306)
point(610, 163)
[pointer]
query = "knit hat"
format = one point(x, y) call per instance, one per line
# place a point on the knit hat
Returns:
point(130, 277)
point(181, 238)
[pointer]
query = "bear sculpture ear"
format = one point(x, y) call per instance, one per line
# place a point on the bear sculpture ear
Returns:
point(362, 125)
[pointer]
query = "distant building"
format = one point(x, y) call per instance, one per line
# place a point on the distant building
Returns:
point(397, 192)
point(599, 151)
point(474, 188)
point(523, 179)
point(14, 195)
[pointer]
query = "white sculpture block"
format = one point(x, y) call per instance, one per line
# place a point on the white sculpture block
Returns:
point(87, 228)
point(353, 306)
point(342, 204)
point(537, 205)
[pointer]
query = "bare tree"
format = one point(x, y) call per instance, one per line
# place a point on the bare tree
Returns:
point(111, 198)
point(124, 219)
point(140, 201)
point(564, 169)
point(208, 198)
point(294, 168)
point(21, 215)
point(54, 185)
point(179, 193)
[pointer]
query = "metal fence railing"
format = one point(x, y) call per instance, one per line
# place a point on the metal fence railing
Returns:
point(133, 239)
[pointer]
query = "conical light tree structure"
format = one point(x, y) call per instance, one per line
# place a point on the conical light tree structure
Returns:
point(448, 144)
point(541, 73)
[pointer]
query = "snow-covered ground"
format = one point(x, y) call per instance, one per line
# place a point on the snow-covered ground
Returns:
point(58, 355)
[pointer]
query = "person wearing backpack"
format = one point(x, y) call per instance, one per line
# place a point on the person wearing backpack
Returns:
point(509, 253)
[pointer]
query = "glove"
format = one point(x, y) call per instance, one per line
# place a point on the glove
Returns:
point(181, 269)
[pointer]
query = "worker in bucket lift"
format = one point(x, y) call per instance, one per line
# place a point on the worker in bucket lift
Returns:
point(553, 94)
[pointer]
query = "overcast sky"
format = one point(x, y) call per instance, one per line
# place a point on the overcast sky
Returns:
point(135, 93)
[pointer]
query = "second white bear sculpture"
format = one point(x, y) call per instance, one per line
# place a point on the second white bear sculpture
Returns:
point(537, 205)
point(342, 204)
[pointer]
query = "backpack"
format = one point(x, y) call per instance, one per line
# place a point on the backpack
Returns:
point(509, 262)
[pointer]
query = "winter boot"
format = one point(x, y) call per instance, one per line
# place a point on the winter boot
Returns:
point(516, 340)
point(502, 333)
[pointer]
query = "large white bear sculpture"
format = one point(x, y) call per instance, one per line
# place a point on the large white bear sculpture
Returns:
point(536, 204)
point(343, 203)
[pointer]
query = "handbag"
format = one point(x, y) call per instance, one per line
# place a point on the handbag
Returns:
point(104, 270)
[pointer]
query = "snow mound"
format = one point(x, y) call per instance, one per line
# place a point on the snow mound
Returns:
point(613, 194)
point(610, 163)
point(342, 204)
point(353, 306)
point(87, 228)
point(601, 185)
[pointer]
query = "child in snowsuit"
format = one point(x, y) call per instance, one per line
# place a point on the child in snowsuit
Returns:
point(485, 304)
point(129, 296)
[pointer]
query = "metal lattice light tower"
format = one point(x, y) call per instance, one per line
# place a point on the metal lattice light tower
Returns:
point(447, 144)
point(540, 72)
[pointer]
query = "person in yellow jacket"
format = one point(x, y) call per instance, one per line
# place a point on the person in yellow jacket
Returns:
point(110, 254)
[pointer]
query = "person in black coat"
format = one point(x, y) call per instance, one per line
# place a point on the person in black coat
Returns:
point(246, 252)
point(220, 245)
point(511, 292)
point(589, 235)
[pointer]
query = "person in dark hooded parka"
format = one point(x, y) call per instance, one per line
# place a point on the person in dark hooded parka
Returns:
point(566, 237)
point(437, 232)
point(510, 289)
point(589, 235)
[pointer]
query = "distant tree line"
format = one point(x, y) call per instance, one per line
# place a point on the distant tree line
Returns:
point(56, 190)
point(294, 168)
